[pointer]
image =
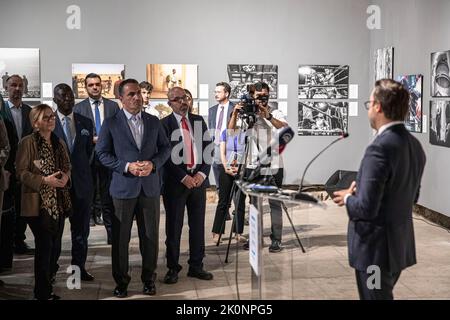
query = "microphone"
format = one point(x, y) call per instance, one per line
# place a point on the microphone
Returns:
point(279, 142)
point(299, 194)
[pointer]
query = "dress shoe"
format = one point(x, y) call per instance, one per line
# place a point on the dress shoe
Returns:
point(200, 274)
point(54, 297)
point(92, 222)
point(98, 220)
point(246, 245)
point(86, 276)
point(120, 292)
point(149, 288)
point(23, 248)
point(171, 276)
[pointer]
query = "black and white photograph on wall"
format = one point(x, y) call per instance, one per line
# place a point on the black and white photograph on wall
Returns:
point(440, 123)
point(322, 118)
point(384, 63)
point(440, 74)
point(413, 83)
point(323, 82)
point(111, 74)
point(241, 75)
point(25, 63)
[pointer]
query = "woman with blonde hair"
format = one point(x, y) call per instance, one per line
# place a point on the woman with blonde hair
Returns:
point(43, 168)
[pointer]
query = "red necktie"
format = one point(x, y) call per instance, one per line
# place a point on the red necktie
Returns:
point(187, 143)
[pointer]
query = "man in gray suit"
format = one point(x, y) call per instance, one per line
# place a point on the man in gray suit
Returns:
point(380, 203)
point(218, 118)
point(98, 109)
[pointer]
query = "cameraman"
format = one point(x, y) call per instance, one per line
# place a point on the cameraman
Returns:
point(266, 124)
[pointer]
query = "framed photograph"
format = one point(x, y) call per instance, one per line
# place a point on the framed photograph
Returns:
point(440, 123)
point(323, 82)
point(322, 118)
point(384, 63)
point(440, 74)
point(162, 106)
point(166, 76)
point(241, 75)
point(26, 64)
point(414, 84)
point(111, 75)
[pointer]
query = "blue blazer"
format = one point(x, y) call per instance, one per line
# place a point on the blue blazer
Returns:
point(174, 173)
point(116, 146)
point(80, 154)
point(84, 108)
point(212, 113)
point(380, 230)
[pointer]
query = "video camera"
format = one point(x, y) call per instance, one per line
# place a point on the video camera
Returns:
point(249, 106)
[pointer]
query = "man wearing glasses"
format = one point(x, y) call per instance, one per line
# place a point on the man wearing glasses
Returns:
point(380, 202)
point(184, 185)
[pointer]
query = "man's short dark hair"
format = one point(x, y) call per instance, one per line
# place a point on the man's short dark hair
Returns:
point(393, 97)
point(260, 86)
point(13, 76)
point(91, 76)
point(225, 86)
point(146, 85)
point(124, 83)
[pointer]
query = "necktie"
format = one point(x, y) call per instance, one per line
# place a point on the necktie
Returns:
point(188, 148)
point(68, 133)
point(98, 122)
point(136, 131)
point(219, 125)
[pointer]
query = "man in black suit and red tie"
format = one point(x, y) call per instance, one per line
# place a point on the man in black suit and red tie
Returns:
point(185, 179)
point(380, 202)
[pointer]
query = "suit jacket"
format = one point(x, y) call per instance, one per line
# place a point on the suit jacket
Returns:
point(212, 114)
point(380, 230)
point(30, 176)
point(80, 154)
point(84, 108)
point(173, 173)
point(4, 152)
point(116, 146)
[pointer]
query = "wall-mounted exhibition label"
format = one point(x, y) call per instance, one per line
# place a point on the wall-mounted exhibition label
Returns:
point(254, 249)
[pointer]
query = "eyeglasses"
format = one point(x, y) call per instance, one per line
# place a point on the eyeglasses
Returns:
point(179, 99)
point(367, 104)
point(48, 118)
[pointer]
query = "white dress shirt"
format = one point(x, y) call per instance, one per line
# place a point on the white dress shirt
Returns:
point(101, 108)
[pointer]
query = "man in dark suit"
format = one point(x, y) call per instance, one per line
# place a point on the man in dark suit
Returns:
point(380, 202)
point(98, 109)
point(16, 116)
point(134, 146)
point(218, 117)
point(185, 180)
point(77, 131)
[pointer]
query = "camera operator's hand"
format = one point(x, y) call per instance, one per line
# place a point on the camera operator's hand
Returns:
point(234, 115)
point(237, 107)
point(263, 111)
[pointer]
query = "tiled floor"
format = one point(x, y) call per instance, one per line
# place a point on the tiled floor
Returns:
point(320, 273)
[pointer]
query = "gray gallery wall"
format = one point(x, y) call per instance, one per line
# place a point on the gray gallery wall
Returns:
point(416, 28)
point(210, 33)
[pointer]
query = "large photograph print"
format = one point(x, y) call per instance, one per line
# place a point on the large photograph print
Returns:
point(440, 74)
point(25, 63)
point(384, 63)
point(241, 75)
point(413, 83)
point(166, 76)
point(111, 75)
point(323, 82)
point(440, 123)
point(322, 118)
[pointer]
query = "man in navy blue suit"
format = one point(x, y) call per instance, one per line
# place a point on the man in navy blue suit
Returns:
point(77, 131)
point(134, 146)
point(98, 109)
point(380, 203)
point(185, 180)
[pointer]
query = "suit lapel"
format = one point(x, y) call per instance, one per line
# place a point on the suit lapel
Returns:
point(59, 131)
point(89, 112)
point(78, 128)
point(145, 127)
point(230, 111)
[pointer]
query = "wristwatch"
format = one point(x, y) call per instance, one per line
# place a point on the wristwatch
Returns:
point(270, 117)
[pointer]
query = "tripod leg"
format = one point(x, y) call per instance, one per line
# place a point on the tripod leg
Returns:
point(293, 227)
point(229, 240)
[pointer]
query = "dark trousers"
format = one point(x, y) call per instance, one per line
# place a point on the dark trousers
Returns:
point(216, 168)
point(21, 223)
point(79, 228)
point(226, 184)
point(147, 217)
point(388, 281)
point(102, 180)
point(174, 203)
point(48, 248)
point(7, 239)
